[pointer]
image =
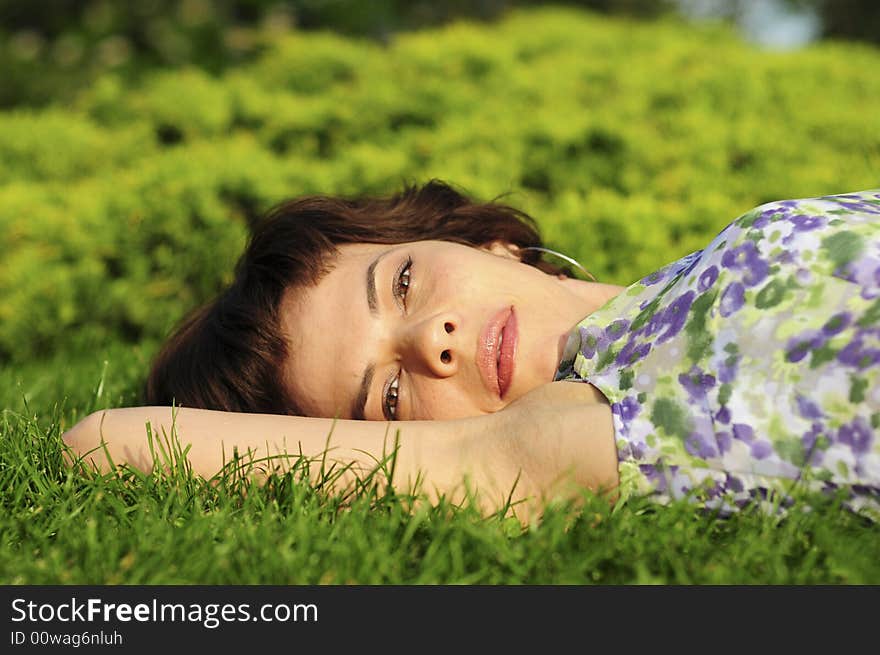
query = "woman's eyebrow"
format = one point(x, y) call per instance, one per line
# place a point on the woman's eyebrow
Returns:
point(372, 300)
point(359, 405)
point(360, 402)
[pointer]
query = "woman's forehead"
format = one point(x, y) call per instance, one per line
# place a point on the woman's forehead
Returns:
point(326, 327)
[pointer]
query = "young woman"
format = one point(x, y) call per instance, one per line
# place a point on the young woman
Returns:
point(428, 325)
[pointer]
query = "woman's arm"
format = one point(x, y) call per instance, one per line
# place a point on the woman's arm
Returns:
point(552, 442)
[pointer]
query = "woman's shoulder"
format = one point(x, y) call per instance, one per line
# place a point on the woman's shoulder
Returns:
point(754, 264)
point(828, 232)
point(836, 236)
point(853, 207)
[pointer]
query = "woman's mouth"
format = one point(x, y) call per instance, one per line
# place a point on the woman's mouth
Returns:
point(507, 353)
point(496, 351)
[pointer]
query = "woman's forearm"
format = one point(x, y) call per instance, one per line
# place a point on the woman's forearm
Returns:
point(544, 445)
point(271, 441)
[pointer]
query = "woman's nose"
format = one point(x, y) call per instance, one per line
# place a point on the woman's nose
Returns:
point(432, 343)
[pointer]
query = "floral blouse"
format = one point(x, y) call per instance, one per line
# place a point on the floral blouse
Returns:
point(751, 367)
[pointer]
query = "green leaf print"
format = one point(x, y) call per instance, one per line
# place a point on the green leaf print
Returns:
point(791, 450)
point(606, 358)
point(670, 416)
point(651, 308)
point(871, 315)
point(646, 314)
point(724, 393)
point(819, 356)
point(771, 295)
point(749, 218)
point(843, 247)
point(857, 389)
point(699, 338)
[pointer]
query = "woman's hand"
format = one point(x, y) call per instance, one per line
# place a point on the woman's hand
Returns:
point(564, 438)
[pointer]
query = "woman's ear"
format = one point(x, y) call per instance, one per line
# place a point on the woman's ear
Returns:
point(502, 249)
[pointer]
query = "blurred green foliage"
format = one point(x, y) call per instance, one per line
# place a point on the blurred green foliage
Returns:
point(632, 143)
point(51, 48)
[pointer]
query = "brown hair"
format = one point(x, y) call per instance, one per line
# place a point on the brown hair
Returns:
point(228, 354)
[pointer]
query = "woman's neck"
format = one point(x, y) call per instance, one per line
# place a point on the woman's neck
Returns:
point(594, 294)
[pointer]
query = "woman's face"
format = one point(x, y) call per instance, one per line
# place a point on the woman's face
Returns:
point(427, 330)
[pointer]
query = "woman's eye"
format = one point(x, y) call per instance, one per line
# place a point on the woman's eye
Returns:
point(390, 404)
point(401, 280)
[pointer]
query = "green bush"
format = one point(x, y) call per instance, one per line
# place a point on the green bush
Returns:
point(631, 143)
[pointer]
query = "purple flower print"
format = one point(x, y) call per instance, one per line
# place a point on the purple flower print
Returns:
point(707, 278)
point(743, 432)
point(863, 207)
point(676, 315)
point(616, 330)
point(808, 409)
point(798, 346)
point(809, 439)
point(849, 354)
point(727, 370)
point(761, 449)
point(658, 478)
point(653, 278)
point(733, 483)
point(714, 491)
point(857, 435)
point(785, 257)
point(630, 450)
point(855, 354)
point(757, 270)
point(739, 256)
point(593, 340)
point(836, 324)
point(746, 258)
point(701, 441)
point(632, 352)
point(764, 219)
point(865, 271)
point(772, 213)
point(870, 357)
point(654, 324)
point(724, 441)
point(804, 223)
point(688, 263)
point(732, 299)
point(699, 446)
point(723, 415)
point(627, 409)
point(696, 383)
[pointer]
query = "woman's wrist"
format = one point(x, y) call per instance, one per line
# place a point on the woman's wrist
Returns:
point(563, 437)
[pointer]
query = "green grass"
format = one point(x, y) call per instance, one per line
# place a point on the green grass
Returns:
point(63, 525)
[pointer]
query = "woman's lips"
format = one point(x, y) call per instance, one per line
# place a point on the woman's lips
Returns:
point(507, 354)
point(496, 351)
